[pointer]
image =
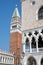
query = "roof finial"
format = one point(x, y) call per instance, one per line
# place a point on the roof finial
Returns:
point(16, 5)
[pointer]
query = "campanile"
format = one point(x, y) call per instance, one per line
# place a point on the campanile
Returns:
point(16, 35)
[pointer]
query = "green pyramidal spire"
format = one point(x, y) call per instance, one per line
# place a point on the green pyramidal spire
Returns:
point(16, 13)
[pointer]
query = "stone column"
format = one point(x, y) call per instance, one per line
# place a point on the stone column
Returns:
point(23, 48)
point(1, 59)
point(37, 44)
point(30, 46)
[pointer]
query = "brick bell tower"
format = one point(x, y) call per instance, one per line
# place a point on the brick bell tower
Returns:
point(16, 35)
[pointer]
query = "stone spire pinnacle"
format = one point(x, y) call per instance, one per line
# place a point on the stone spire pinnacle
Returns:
point(16, 12)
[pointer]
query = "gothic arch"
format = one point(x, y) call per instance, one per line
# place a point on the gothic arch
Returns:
point(31, 61)
point(42, 61)
point(33, 43)
point(40, 13)
point(40, 42)
point(27, 43)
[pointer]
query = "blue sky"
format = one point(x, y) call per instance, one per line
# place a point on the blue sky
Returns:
point(6, 10)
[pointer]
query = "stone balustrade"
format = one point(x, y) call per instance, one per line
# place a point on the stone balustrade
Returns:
point(6, 58)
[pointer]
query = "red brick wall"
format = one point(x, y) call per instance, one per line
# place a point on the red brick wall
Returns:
point(16, 44)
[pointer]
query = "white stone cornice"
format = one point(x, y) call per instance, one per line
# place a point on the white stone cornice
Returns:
point(16, 30)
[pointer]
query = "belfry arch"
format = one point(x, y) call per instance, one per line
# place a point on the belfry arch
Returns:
point(31, 61)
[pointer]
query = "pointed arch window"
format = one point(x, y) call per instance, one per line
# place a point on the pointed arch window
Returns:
point(33, 44)
point(40, 42)
point(27, 43)
point(40, 13)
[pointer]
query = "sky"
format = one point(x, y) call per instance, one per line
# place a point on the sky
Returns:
point(6, 11)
